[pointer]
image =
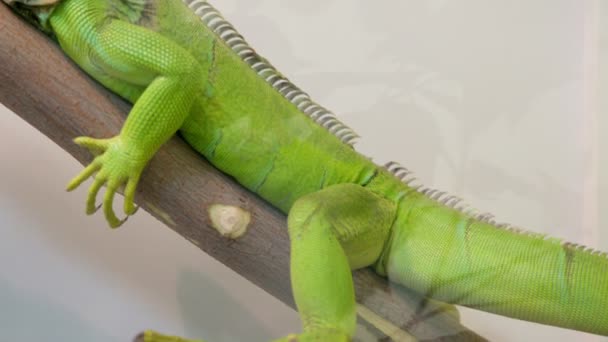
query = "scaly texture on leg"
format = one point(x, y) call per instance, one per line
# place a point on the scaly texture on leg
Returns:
point(332, 231)
point(132, 54)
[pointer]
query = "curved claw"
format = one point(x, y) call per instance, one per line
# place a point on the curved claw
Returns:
point(92, 196)
point(129, 206)
point(108, 202)
point(108, 206)
point(118, 223)
point(97, 208)
point(134, 211)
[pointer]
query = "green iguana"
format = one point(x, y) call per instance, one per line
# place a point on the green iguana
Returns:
point(186, 69)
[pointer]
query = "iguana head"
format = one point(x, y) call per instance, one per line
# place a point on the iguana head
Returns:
point(35, 12)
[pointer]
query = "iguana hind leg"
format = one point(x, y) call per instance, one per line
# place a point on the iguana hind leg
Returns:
point(333, 231)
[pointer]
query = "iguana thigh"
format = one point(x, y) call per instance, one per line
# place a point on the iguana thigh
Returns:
point(333, 231)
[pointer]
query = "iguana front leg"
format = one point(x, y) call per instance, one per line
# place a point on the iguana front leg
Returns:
point(134, 56)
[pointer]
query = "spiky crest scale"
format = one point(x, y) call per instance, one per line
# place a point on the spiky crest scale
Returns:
point(322, 116)
point(454, 202)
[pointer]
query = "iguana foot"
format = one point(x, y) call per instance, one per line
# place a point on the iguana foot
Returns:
point(116, 165)
point(152, 336)
point(321, 335)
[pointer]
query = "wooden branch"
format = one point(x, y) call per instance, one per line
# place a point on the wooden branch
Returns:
point(43, 87)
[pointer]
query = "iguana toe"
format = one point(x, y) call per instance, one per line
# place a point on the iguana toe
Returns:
point(115, 166)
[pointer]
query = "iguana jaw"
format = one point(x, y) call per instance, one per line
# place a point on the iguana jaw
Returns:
point(36, 12)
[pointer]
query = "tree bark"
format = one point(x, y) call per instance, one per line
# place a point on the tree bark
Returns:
point(43, 87)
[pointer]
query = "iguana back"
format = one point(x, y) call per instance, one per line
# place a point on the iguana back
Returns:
point(240, 122)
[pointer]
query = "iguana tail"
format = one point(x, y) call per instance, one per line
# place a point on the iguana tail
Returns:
point(450, 255)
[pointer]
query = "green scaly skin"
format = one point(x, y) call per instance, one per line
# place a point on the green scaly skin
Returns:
point(344, 211)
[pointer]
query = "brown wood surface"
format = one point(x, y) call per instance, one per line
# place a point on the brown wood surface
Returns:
point(47, 90)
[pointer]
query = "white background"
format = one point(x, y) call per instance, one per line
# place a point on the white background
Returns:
point(500, 102)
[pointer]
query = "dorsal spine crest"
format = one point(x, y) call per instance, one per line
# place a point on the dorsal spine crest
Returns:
point(227, 33)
